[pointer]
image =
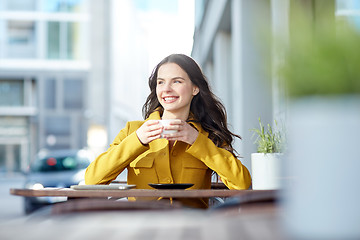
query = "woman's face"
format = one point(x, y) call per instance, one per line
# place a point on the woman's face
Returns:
point(174, 89)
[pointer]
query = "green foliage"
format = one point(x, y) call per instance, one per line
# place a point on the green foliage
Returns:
point(325, 61)
point(269, 141)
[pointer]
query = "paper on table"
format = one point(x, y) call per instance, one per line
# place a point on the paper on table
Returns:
point(102, 187)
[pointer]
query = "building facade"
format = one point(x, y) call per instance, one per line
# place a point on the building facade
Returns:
point(44, 77)
point(232, 44)
point(226, 45)
point(72, 73)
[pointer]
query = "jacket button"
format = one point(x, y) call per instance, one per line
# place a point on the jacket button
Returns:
point(174, 153)
point(167, 180)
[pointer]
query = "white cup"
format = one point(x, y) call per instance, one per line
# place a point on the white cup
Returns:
point(165, 123)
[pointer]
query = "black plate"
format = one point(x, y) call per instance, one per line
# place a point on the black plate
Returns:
point(171, 185)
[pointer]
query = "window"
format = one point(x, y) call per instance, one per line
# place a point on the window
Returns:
point(64, 40)
point(71, 40)
point(57, 126)
point(65, 6)
point(50, 93)
point(11, 92)
point(53, 40)
point(10, 158)
point(21, 39)
point(58, 132)
point(20, 5)
point(73, 94)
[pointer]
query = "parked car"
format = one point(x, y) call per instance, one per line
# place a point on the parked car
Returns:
point(60, 169)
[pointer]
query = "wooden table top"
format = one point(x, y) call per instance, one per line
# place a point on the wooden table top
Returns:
point(198, 193)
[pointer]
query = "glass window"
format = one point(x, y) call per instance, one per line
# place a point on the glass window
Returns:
point(73, 93)
point(21, 42)
point(11, 92)
point(53, 40)
point(10, 157)
point(50, 93)
point(64, 40)
point(72, 40)
point(65, 6)
point(57, 126)
point(20, 5)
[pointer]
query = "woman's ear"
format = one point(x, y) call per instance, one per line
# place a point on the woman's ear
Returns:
point(196, 90)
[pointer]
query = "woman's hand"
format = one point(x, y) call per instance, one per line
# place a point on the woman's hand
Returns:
point(149, 131)
point(185, 132)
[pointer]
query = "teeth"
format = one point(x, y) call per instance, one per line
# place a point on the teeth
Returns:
point(169, 98)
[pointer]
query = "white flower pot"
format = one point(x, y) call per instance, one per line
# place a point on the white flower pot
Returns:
point(265, 170)
point(323, 200)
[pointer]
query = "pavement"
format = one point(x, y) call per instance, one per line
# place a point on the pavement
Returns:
point(11, 207)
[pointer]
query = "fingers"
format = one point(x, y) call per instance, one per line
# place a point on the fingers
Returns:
point(149, 131)
point(176, 124)
point(153, 128)
point(152, 138)
point(150, 123)
point(185, 133)
point(155, 132)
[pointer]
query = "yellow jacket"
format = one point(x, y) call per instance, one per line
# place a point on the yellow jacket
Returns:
point(154, 163)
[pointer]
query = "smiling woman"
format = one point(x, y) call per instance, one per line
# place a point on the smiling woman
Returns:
point(200, 145)
point(175, 91)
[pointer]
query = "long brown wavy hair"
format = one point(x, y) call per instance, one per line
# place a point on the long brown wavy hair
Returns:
point(205, 107)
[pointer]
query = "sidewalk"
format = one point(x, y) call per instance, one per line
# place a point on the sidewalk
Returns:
point(10, 206)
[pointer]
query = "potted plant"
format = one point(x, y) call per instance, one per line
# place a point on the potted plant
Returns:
point(266, 163)
point(322, 75)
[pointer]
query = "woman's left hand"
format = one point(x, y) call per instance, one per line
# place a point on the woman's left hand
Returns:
point(185, 132)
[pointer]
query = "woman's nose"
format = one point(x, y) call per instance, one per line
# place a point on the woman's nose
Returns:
point(167, 87)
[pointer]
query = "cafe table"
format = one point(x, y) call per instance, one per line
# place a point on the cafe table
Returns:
point(246, 195)
point(246, 214)
point(95, 198)
point(68, 192)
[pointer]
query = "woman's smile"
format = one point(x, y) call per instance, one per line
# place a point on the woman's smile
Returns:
point(170, 99)
point(174, 89)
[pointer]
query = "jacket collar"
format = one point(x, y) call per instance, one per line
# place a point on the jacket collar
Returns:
point(155, 115)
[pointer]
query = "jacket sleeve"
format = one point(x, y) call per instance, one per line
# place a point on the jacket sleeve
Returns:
point(232, 172)
point(108, 165)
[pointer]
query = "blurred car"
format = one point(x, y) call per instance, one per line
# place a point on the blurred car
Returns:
point(59, 169)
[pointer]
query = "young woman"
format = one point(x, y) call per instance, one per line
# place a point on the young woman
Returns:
point(201, 145)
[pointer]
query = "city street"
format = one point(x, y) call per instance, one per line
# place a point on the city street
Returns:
point(11, 207)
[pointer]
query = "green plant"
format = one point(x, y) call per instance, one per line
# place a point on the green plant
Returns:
point(269, 141)
point(322, 60)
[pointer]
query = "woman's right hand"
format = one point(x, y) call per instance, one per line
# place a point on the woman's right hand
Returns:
point(149, 131)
